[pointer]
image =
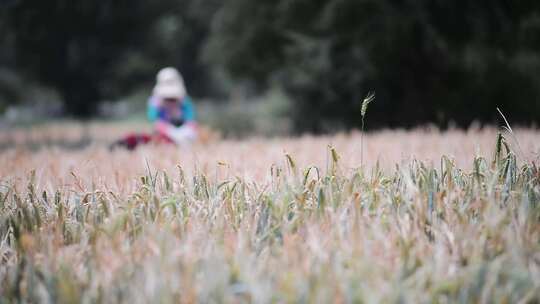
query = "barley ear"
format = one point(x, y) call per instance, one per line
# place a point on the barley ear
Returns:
point(369, 98)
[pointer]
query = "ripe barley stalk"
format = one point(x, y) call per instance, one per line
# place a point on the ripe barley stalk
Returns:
point(367, 100)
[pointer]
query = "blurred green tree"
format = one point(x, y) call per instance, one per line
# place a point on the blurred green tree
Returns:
point(9, 82)
point(428, 61)
point(72, 45)
point(90, 50)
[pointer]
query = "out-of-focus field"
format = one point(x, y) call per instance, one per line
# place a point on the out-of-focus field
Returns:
point(57, 151)
point(270, 220)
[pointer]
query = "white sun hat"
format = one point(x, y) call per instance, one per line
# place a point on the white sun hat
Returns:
point(169, 74)
point(170, 84)
point(170, 90)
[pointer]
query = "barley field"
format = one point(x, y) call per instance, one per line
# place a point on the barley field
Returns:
point(423, 217)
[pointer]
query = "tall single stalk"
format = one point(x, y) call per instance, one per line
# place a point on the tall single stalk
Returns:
point(369, 98)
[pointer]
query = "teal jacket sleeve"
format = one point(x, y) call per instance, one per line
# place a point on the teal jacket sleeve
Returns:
point(188, 110)
point(152, 111)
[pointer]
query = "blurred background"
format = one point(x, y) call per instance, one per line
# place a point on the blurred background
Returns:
point(274, 67)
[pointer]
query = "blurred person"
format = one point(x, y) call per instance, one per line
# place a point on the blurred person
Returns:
point(171, 111)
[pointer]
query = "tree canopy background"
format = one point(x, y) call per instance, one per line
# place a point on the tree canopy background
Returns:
point(428, 61)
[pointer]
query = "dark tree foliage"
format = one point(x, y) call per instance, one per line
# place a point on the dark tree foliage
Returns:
point(428, 61)
point(183, 34)
point(71, 45)
point(92, 50)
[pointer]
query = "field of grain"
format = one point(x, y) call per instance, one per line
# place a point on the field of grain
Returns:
point(426, 216)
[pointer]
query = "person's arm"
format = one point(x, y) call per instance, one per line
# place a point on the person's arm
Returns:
point(152, 110)
point(188, 111)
